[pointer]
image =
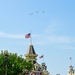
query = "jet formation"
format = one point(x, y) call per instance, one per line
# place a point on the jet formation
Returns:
point(36, 12)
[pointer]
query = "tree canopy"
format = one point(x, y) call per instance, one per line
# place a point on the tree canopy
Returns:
point(12, 64)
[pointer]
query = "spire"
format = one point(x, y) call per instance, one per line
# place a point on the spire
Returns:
point(31, 55)
point(31, 50)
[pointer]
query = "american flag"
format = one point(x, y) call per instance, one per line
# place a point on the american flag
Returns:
point(41, 56)
point(27, 35)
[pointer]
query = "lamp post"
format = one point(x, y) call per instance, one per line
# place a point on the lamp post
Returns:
point(6, 60)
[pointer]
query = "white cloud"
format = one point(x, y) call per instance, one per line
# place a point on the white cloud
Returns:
point(53, 39)
point(6, 35)
point(54, 33)
point(66, 47)
point(59, 39)
point(41, 39)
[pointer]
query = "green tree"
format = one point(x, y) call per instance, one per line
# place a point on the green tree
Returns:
point(12, 64)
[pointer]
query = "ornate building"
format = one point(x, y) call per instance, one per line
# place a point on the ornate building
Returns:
point(71, 70)
point(39, 69)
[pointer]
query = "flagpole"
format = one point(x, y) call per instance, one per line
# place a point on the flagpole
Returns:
point(71, 60)
point(30, 39)
point(43, 58)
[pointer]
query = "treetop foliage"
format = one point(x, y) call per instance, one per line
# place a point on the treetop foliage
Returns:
point(13, 64)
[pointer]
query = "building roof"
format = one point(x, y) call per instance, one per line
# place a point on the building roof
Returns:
point(31, 50)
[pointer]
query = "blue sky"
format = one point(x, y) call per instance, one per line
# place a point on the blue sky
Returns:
point(53, 31)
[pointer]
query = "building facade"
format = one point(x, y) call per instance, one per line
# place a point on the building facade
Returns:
point(39, 69)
